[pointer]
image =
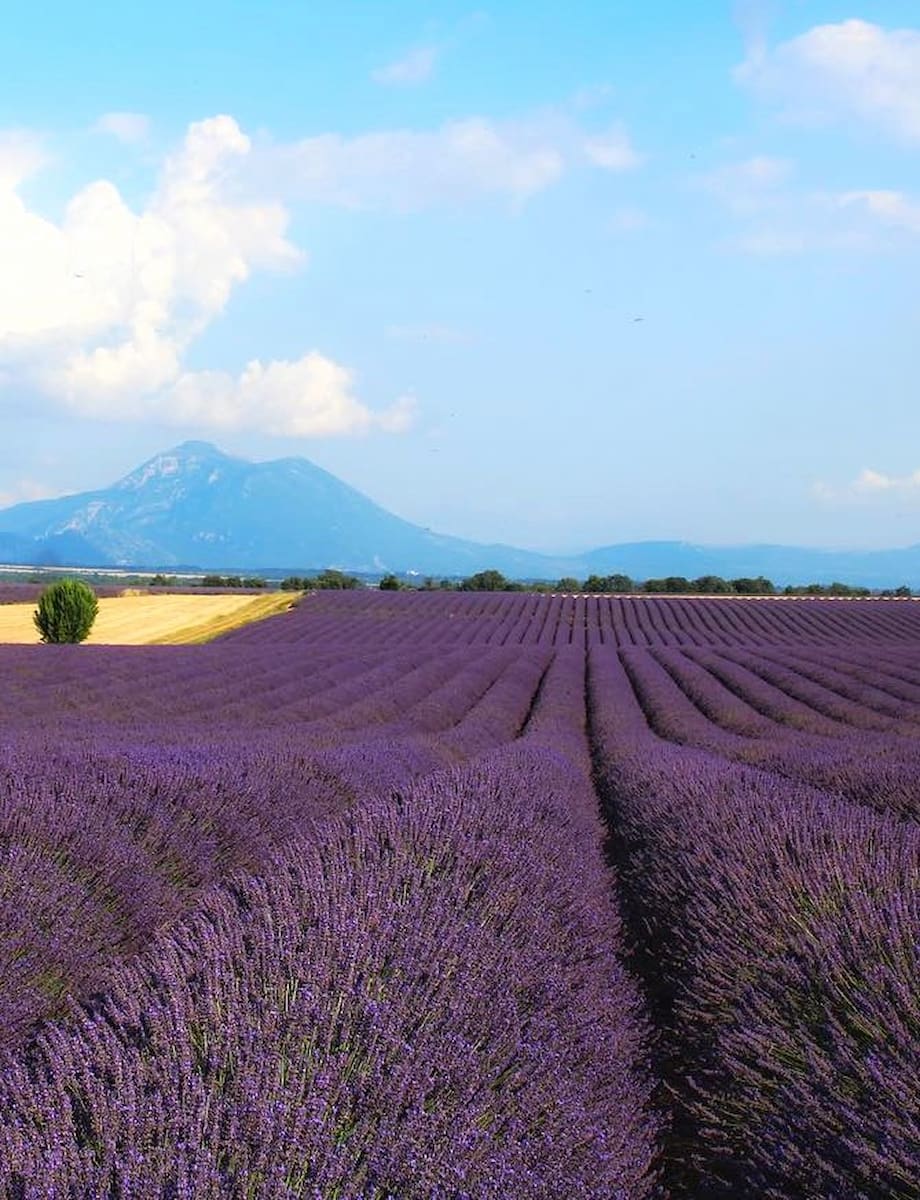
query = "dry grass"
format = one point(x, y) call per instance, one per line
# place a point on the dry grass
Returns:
point(139, 620)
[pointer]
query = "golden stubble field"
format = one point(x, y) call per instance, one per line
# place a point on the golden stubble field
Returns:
point(133, 620)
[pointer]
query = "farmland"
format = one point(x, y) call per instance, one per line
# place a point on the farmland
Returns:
point(135, 619)
point(466, 896)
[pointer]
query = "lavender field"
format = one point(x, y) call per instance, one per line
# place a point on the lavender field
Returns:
point(460, 896)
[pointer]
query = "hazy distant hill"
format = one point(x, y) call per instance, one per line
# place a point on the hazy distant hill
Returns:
point(782, 564)
point(195, 505)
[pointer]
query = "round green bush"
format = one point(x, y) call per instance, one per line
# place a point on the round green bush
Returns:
point(66, 611)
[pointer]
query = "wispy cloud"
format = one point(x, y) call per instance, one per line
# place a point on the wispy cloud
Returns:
point(870, 485)
point(22, 155)
point(414, 68)
point(99, 311)
point(891, 208)
point(835, 73)
point(24, 489)
point(128, 127)
point(611, 150)
point(747, 186)
point(460, 162)
point(430, 332)
point(629, 220)
point(752, 18)
point(776, 215)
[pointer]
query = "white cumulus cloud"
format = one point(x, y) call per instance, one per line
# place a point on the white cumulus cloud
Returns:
point(840, 71)
point(97, 311)
point(312, 397)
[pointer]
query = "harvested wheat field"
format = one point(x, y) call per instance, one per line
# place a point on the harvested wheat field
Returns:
point(139, 620)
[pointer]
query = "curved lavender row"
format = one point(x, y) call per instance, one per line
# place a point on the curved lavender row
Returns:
point(780, 930)
point(879, 770)
point(875, 671)
point(708, 694)
point(127, 839)
point(785, 711)
point(99, 683)
point(392, 1013)
point(899, 716)
point(668, 710)
point(821, 699)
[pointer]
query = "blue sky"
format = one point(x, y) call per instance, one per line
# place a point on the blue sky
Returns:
point(411, 241)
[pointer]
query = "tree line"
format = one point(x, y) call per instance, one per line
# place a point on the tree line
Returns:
point(494, 581)
point(704, 585)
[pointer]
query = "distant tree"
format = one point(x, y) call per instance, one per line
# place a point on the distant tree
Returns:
point(160, 580)
point(753, 587)
point(903, 591)
point(447, 585)
point(294, 583)
point(712, 585)
point(66, 611)
point(620, 583)
point(487, 581)
point(568, 584)
point(676, 584)
point(334, 580)
point(233, 581)
point(846, 589)
point(389, 583)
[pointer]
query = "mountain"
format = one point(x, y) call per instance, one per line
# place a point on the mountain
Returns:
point(196, 506)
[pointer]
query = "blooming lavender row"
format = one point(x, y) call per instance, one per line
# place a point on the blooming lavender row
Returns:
point(113, 839)
point(427, 1003)
point(713, 703)
point(778, 941)
point(888, 673)
point(372, 620)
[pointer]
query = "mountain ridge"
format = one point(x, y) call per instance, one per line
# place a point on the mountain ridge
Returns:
point(194, 504)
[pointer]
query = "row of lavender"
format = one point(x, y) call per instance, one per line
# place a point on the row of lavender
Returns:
point(421, 995)
point(395, 619)
point(776, 930)
point(847, 723)
point(124, 827)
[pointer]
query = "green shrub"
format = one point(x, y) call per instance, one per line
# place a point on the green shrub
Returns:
point(66, 611)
